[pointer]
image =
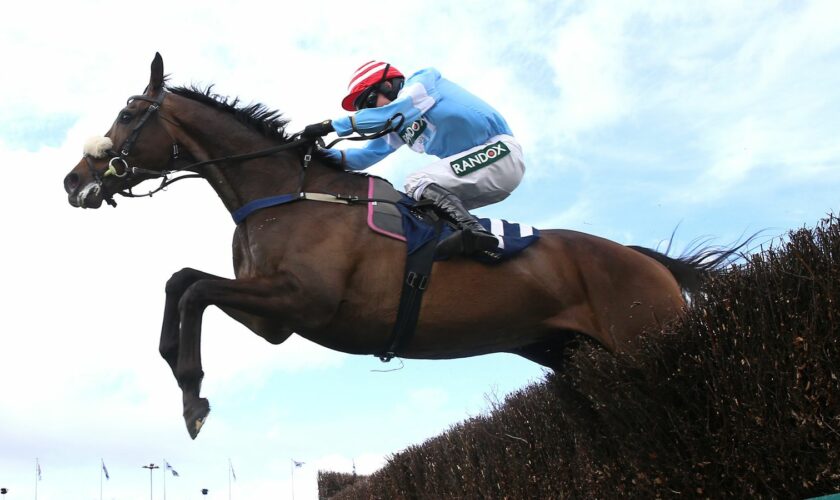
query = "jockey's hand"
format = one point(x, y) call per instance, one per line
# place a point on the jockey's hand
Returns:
point(318, 129)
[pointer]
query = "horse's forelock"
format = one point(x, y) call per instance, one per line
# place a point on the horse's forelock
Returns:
point(97, 146)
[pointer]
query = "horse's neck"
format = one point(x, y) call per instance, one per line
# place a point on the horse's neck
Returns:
point(238, 183)
point(282, 174)
point(214, 134)
point(220, 184)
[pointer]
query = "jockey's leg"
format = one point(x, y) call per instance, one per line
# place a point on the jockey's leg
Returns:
point(471, 236)
point(455, 190)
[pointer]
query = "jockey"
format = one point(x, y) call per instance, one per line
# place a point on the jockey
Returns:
point(479, 160)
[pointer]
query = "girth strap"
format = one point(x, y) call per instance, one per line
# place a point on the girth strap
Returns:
point(418, 273)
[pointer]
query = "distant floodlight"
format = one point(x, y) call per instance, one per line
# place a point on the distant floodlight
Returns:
point(151, 468)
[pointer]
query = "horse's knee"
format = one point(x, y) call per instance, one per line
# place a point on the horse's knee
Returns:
point(191, 298)
point(181, 280)
point(168, 349)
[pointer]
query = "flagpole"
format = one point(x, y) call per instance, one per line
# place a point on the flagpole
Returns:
point(101, 465)
point(293, 478)
point(231, 473)
point(37, 467)
point(165, 463)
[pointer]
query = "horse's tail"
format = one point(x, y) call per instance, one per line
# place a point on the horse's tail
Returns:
point(692, 269)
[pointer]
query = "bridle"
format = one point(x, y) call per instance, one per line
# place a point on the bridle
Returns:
point(129, 172)
point(121, 157)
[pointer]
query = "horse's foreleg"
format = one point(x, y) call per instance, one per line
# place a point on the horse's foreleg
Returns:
point(258, 298)
point(171, 329)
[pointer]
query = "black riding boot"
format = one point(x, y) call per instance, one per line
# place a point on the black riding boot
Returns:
point(471, 236)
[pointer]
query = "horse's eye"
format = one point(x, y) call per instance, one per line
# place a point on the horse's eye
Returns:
point(125, 117)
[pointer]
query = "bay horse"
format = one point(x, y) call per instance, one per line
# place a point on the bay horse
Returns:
point(314, 268)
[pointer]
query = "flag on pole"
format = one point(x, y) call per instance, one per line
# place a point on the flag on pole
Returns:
point(298, 464)
point(105, 470)
point(38, 468)
point(232, 472)
point(169, 467)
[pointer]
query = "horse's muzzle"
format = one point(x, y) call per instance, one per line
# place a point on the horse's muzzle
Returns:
point(82, 195)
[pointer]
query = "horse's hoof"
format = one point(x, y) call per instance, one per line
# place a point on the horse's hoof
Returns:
point(195, 415)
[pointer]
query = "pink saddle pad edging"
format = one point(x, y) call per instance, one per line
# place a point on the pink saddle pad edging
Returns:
point(370, 222)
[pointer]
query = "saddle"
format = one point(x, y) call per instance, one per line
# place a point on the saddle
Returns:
point(400, 217)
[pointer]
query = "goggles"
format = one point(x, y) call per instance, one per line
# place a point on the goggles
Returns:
point(366, 99)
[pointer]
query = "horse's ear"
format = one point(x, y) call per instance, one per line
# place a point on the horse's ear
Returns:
point(156, 78)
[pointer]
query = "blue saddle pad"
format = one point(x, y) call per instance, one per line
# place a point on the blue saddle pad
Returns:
point(396, 216)
point(512, 237)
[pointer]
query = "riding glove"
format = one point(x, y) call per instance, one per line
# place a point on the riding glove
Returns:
point(318, 129)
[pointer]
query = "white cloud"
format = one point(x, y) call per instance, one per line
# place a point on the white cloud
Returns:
point(588, 56)
point(763, 107)
point(574, 216)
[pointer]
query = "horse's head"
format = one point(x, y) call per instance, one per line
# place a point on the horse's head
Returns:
point(137, 147)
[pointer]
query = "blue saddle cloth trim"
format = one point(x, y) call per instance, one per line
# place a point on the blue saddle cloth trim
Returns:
point(418, 232)
point(242, 213)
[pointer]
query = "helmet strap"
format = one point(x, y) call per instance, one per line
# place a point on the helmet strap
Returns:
point(392, 92)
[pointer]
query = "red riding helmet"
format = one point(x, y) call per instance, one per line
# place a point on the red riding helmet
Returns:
point(365, 77)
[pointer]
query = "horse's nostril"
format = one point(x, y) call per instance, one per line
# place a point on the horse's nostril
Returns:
point(71, 182)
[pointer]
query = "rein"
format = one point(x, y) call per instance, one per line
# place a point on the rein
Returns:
point(393, 124)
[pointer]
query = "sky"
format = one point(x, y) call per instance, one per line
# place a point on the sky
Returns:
point(715, 118)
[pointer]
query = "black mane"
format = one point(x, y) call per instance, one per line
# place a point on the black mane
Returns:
point(259, 117)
